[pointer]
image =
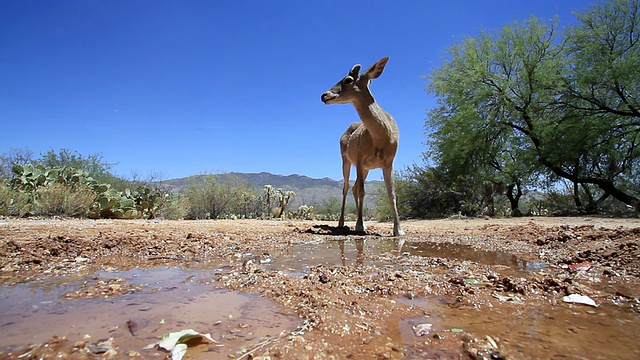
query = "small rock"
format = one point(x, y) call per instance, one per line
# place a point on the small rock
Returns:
point(422, 329)
point(323, 278)
point(102, 346)
point(132, 325)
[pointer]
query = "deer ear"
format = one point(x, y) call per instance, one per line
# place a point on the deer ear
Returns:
point(376, 69)
point(355, 70)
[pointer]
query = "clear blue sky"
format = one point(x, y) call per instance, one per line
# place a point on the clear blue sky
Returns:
point(190, 87)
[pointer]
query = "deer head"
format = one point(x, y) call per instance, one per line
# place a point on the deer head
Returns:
point(354, 86)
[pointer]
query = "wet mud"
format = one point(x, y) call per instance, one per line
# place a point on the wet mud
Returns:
point(165, 300)
point(469, 289)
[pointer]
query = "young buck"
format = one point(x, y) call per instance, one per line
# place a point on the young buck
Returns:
point(369, 144)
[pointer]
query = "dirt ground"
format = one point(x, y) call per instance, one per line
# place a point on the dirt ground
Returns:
point(494, 289)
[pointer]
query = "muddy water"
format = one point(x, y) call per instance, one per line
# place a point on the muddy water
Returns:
point(544, 330)
point(172, 299)
point(466, 252)
point(295, 260)
point(552, 331)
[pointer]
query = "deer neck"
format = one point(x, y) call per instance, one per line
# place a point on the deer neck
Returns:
point(380, 124)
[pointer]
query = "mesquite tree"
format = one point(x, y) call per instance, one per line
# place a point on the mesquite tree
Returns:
point(526, 103)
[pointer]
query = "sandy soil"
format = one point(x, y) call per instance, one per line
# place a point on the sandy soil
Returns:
point(391, 302)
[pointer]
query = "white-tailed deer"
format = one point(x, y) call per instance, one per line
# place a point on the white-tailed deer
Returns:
point(369, 144)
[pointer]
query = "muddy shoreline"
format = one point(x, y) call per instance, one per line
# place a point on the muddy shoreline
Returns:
point(463, 288)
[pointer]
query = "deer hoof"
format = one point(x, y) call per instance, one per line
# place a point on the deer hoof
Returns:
point(398, 232)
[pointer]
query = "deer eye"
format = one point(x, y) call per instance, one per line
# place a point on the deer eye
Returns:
point(347, 80)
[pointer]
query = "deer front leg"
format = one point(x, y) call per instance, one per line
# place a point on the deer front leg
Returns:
point(358, 193)
point(387, 173)
point(346, 168)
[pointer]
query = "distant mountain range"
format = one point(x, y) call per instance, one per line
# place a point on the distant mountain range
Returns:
point(309, 191)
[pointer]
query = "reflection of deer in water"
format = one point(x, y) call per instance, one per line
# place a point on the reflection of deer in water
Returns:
point(359, 249)
point(399, 243)
point(369, 144)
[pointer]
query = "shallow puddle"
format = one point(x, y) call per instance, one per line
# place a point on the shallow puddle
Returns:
point(466, 252)
point(550, 330)
point(559, 331)
point(297, 259)
point(172, 299)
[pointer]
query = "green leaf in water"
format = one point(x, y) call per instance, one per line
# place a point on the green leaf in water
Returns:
point(476, 282)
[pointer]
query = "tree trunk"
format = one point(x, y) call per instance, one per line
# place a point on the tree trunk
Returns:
point(514, 199)
point(576, 195)
point(593, 207)
point(604, 184)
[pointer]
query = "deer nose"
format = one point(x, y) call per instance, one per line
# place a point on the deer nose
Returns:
point(327, 96)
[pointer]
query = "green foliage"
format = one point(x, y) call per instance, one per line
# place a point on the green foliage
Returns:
point(330, 205)
point(142, 202)
point(67, 191)
point(173, 208)
point(605, 50)
point(93, 164)
point(215, 198)
point(329, 210)
point(429, 193)
point(305, 212)
point(12, 157)
point(383, 207)
point(55, 191)
point(274, 201)
point(12, 201)
point(29, 178)
point(525, 104)
point(60, 199)
point(491, 96)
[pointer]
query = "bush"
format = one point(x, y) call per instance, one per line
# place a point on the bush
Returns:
point(174, 208)
point(12, 202)
point(65, 191)
point(427, 192)
point(305, 212)
point(62, 200)
point(214, 198)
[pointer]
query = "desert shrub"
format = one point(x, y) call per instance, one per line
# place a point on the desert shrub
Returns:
point(427, 192)
point(329, 210)
point(12, 202)
point(214, 198)
point(559, 203)
point(142, 202)
point(62, 200)
point(305, 212)
point(64, 191)
point(330, 205)
point(173, 208)
point(327, 217)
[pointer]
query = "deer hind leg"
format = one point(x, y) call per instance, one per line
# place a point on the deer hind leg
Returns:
point(346, 169)
point(387, 173)
point(358, 194)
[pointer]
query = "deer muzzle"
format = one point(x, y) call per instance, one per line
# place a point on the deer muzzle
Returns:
point(328, 96)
